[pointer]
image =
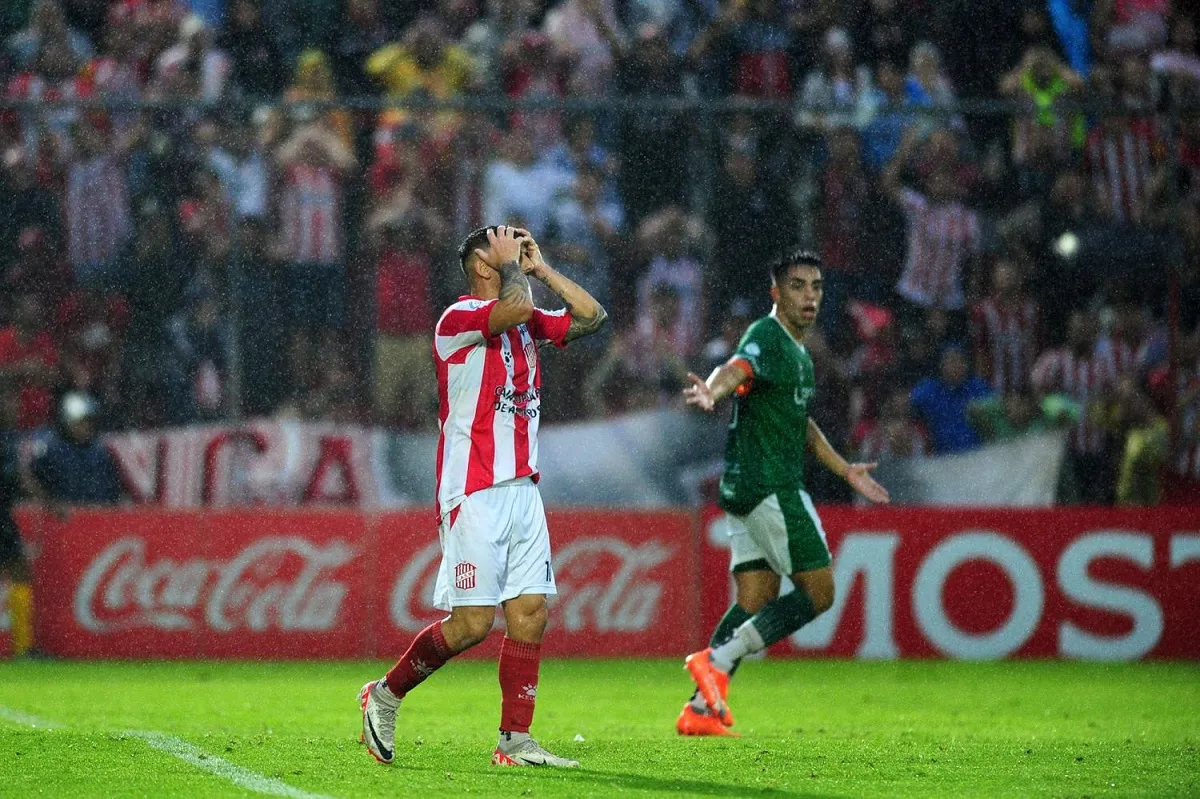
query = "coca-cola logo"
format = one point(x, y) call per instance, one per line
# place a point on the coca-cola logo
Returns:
point(280, 582)
point(604, 585)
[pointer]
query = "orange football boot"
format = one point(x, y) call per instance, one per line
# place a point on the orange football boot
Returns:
point(692, 723)
point(712, 682)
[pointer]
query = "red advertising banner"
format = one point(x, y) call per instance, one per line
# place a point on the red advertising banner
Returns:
point(975, 584)
point(1093, 584)
point(297, 584)
point(157, 583)
point(625, 583)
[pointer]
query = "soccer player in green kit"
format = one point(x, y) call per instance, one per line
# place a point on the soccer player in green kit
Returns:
point(774, 529)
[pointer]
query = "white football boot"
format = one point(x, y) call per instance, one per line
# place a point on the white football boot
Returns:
point(527, 752)
point(379, 722)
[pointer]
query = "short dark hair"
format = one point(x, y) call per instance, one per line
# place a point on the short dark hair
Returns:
point(794, 257)
point(476, 239)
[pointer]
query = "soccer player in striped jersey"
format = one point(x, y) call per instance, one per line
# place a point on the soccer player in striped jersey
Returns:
point(773, 527)
point(491, 523)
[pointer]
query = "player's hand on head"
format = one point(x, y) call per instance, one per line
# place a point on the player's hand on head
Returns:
point(860, 479)
point(531, 253)
point(698, 393)
point(505, 247)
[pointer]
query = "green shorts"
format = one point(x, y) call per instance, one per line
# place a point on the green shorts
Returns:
point(783, 533)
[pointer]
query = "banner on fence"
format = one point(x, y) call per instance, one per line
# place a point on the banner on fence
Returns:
point(1090, 584)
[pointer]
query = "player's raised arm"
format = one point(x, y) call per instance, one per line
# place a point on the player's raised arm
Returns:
point(724, 380)
point(515, 304)
point(856, 474)
point(587, 315)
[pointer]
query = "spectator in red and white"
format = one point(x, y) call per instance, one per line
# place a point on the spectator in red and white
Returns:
point(838, 92)
point(942, 152)
point(313, 166)
point(534, 75)
point(1042, 82)
point(404, 316)
point(944, 235)
point(588, 36)
point(47, 23)
point(97, 204)
point(893, 435)
point(665, 238)
point(1006, 331)
point(193, 66)
point(1121, 154)
point(256, 62)
point(1129, 26)
point(52, 77)
point(519, 187)
point(1085, 373)
point(29, 360)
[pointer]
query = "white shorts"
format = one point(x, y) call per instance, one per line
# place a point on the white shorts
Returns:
point(783, 533)
point(495, 546)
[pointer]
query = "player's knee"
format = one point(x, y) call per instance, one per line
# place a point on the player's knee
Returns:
point(468, 626)
point(527, 623)
point(821, 597)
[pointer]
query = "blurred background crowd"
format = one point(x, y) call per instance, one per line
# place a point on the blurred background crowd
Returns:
point(223, 209)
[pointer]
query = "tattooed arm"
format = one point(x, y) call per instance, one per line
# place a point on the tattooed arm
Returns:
point(587, 315)
point(515, 304)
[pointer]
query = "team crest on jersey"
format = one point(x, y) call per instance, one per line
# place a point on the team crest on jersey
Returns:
point(464, 576)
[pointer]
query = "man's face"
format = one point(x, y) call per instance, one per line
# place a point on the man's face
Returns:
point(954, 368)
point(798, 296)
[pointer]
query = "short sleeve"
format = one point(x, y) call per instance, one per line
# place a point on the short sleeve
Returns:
point(755, 349)
point(550, 326)
point(464, 324)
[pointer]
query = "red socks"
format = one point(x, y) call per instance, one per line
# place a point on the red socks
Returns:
point(519, 663)
point(427, 653)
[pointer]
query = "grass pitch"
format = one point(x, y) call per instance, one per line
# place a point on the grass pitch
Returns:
point(810, 728)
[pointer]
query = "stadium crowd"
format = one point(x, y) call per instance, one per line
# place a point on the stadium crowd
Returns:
point(271, 183)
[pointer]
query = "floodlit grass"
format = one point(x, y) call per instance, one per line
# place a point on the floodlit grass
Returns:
point(810, 728)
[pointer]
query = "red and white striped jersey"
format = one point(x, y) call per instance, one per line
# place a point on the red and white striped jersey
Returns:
point(1006, 340)
point(97, 210)
point(1121, 163)
point(310, 214)
point(489, 396)
point(1087, 380)
point(1125, 355)
point(940, 239)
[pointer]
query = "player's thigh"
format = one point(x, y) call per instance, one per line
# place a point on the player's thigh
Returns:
point(474, 539)
point(530, 564)
point(766, 533)
point(807, 548)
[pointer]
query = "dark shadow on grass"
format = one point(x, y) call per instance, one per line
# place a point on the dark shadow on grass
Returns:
point(619, 780)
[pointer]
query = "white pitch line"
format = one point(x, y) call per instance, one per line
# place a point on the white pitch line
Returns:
point(24, 719)
point(241, 777)
point(193, 755)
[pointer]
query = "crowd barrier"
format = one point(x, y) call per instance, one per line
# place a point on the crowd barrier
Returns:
point(1095, 584)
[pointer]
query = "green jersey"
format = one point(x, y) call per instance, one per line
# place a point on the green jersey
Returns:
point(765, 448)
